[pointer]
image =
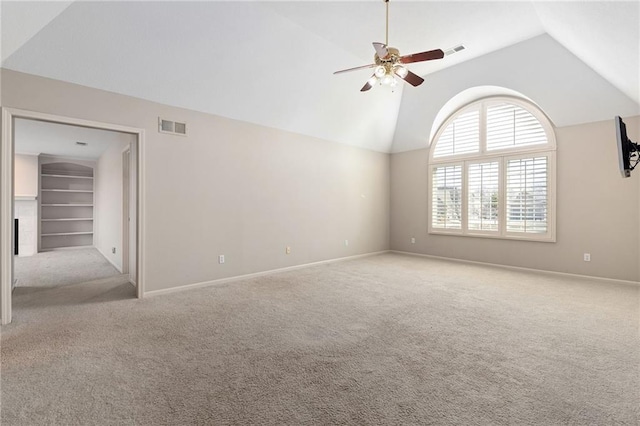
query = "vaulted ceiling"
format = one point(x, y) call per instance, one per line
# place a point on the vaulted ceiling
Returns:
point(271, 63)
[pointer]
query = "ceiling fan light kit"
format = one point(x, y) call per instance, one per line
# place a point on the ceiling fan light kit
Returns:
point(388, 63)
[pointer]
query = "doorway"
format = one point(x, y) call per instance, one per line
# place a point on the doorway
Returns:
point(134, 157)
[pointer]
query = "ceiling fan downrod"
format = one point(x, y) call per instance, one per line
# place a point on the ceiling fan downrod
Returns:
point(386, 36)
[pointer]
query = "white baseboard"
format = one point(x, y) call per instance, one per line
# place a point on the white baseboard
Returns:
point(118, 268)
point(520, 268)
point(257, 274)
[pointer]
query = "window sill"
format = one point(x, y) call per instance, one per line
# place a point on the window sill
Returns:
point(539, 238)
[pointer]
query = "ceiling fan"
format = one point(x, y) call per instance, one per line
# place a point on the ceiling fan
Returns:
point(389, 64)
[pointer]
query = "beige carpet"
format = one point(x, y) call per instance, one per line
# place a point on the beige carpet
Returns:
point(63, 267)
point(384, 340)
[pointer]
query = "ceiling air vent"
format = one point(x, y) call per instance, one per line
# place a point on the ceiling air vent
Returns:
point(172, 127)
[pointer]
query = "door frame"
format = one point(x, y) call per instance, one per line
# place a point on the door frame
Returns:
point(128, 212)
point(6, 195)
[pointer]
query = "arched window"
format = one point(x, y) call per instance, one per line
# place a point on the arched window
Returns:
point(492, 172)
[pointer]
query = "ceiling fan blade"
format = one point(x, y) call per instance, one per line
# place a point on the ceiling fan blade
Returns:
point(369, 84)
point(423, 56)
point(411, 78)
point(356, 68)
point(381, 49)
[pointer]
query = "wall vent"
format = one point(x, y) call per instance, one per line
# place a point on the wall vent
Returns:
point(172, 127)
point(180, 128)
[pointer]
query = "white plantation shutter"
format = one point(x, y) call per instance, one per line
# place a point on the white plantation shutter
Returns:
point(446, 201)
point(462, 136)
point(527, 195)
point(510, 126)
point(483, 196)
point(503, 185)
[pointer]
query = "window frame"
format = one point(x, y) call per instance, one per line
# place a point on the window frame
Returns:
point(462, 196)
point(502, 156)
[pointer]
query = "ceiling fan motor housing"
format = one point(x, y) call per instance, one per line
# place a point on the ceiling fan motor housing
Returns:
point(392, 57)
point(389, 61)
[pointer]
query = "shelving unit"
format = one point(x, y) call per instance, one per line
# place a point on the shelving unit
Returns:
point(66, 203)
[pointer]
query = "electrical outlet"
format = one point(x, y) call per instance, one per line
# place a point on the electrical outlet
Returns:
point(587, 257)
point(113, 250)
point(413, 240)
point(287, 250)
point(221, 259)
point(346, 242)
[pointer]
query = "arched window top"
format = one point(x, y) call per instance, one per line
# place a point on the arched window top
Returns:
point(493, 125)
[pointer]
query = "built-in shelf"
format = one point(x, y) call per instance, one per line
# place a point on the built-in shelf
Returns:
point(55, 234)
point(66, 203)
point(66, 176)
point(66, 219)
point(68, 190)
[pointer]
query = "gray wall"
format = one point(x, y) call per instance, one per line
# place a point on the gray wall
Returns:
point(248, 191)
point(597, 211)
point(108, 201)
point(232, 188)
point(25, 175)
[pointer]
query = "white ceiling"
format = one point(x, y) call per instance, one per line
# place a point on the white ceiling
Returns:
point(41, 137)
point(271, 63)
point(21, 21)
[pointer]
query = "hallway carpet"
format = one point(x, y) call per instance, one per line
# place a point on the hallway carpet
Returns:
point(55, 268)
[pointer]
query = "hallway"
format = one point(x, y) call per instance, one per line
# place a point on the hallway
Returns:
point(63, 267)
